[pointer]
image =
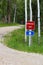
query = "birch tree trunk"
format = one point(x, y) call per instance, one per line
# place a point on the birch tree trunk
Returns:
point(38, 6)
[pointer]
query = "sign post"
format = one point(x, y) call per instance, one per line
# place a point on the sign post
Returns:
point(30, 39)
point(25, 19)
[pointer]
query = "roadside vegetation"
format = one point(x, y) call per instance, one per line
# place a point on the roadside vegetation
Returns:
point(16, 41)
point(8, 24)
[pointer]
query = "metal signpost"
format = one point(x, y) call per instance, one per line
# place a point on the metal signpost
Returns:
point(30, 26)
point(30, 39)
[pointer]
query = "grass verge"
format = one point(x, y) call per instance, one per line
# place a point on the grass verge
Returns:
point(16, 41)
point(8, 24)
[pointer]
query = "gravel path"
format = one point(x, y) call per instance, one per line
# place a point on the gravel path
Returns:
point(9, 56)
point(5, 30)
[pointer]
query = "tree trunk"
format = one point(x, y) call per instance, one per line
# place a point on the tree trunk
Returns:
point(8, 11)
point(14, 13)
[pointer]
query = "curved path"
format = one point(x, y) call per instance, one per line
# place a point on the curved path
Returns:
point(9, 56)
point(5, 30)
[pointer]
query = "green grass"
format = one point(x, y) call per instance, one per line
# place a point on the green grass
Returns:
point(8, 24)
point(16, 41)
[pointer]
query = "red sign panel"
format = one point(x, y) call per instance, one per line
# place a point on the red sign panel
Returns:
point(30, 25)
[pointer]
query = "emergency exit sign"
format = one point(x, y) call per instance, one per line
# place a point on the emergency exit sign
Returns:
point(30, 25)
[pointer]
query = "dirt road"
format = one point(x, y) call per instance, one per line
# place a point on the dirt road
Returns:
point(9, 56)
point(5, 30)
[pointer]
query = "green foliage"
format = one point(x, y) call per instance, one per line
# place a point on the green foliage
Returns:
point(4, 7)
point(0, 9)
point(20, 12)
